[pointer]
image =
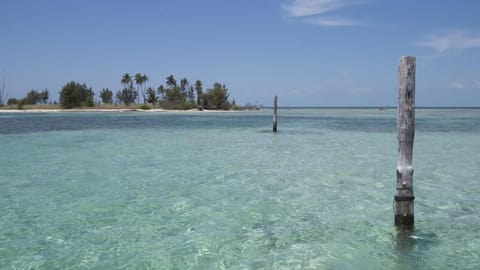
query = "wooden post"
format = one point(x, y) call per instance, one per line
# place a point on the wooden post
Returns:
point(275, 114)
point(403, 205)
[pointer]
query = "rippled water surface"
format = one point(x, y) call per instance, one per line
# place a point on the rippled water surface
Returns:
point(221, 191)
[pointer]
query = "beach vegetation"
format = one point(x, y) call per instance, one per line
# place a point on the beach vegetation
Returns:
point(185, 96)
point(183, 88)
point(74, 95)
point(126, 80)
point(171, 82)
point(152, 97)
point(199, 90)
point(16, 102)
point(161, 92)
point(3, 93)
point(126, 96)
point(191, 94)
point(12, 101)
point(216, 98)
point(107, 96)
point(33, 97)
point(174, 94)
point(140, 81)
point(144, 107)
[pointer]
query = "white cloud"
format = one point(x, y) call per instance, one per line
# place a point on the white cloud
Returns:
point(303, 8)
point(457, 85)
point(469, 85)
point(459, 40)
point(322, 21)
point(360, 90)
point(312, 12)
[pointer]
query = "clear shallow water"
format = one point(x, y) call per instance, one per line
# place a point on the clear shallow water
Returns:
point(220, 191)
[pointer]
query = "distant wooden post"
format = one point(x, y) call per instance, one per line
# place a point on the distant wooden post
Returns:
point(406, 132)
point(275, 114)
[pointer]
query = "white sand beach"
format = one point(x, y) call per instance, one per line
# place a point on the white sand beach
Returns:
point(154, 110)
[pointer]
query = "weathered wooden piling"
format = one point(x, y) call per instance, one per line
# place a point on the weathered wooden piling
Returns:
point(275, 114)
point(403, 205)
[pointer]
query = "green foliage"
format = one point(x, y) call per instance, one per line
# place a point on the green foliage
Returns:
point(171, 82)
point(191, 94)
point(126, 96)
point(3, 94)
point(75, 95)
point(189, 105)
point(199, 89)
point(140, 80)
point(107, 96)
point(12, 101)
point(183, 88)
point(20, 105)
point(44, 95)
point(126, 80)
point(174, 96)
point(183, 96)
point(34, 97)
point(151, 96)
point(161, 91)
point(144, 107)
point(216, 98)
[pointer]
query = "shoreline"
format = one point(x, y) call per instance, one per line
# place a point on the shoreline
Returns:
point(156, 110)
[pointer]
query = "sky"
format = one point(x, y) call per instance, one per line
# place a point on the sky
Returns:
point(308, 52)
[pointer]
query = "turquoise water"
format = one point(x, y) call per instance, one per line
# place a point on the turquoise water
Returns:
point(220, 191)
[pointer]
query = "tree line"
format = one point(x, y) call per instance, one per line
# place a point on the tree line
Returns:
point(173, 95)
point(33, 97)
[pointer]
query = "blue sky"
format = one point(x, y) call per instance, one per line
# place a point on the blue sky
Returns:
point(308, 52)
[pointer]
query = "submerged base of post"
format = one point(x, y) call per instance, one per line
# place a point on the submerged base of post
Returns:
point(275, 114)
point(404, 209)
point(402, 220)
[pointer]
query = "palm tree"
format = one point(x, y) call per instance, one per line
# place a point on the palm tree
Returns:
point(139, 82)
point(151, 96)
point(171, 82)
point(126, 80)
point(161, 91)
point(199, 89)
point(191, 94)
point(3, 94)
point(183, 87)
point(107, 96)
point(145, 80)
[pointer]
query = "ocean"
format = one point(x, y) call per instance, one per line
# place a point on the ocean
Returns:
point(220, 190)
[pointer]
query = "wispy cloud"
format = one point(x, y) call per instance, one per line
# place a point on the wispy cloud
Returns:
point(457, 85)
point(313, 12)
point(452, 40)
point(302, 8)
point(323, 21)
point(360, 90)
point(467, 85)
